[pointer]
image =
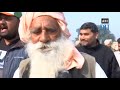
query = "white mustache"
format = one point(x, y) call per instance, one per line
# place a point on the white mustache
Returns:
point(41, 45)
point(51, 46)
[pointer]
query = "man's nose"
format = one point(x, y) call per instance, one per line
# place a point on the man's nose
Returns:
point(82, 37)
point(44, 37)
point(2, 21)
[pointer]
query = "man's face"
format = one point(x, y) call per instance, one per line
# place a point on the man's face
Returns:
point(87, 38)
point(119, 46)
point(44, 29)
point(46, 63)
point(109, 44)
point(8, 26)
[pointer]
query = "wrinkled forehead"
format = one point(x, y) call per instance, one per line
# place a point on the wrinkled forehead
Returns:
point(85, 31)
point(44, 20)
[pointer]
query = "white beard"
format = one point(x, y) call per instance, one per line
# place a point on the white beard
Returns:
point(45, 63)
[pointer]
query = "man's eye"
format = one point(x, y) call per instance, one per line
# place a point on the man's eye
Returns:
point(86, 34)
point(8, 18)
point(36, 32)
point(5, 18)
point(52, 30)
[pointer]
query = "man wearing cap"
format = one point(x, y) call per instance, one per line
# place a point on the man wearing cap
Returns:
point(11, 48)
point(51, 53)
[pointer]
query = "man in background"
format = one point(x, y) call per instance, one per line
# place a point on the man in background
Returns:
point(108, 42)
point(11, 48)
point(117, 53)
point(104, 56)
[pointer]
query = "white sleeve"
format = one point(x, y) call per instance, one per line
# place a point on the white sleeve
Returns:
point(16, 74)
point(99, 73)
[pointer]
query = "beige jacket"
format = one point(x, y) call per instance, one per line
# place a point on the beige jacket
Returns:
point(88, 69)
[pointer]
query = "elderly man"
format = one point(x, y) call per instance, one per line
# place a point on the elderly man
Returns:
point(51, 53)
point(108, 42)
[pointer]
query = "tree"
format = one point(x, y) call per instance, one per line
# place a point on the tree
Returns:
point(105, 34)
point(77, 38)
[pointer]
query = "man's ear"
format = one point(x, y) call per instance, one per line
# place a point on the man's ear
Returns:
point(79, 37)
point(97, 34)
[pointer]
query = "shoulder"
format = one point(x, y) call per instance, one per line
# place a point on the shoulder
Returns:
point(23, 66)
point(106, 51)
point(89, 64)
point(88, 57)
point(24, 62)
point(79, 48)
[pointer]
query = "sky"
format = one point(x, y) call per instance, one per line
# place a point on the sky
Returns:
point(76, 19)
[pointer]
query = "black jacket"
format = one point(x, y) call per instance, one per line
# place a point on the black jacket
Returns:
point(12, 59)
point(104, 57)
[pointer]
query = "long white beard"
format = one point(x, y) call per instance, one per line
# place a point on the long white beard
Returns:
point(47, 64)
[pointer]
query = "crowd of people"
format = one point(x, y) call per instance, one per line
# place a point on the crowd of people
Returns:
point(115, 46)
point(37, 45)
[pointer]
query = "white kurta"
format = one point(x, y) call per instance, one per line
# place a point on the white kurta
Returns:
point(99, 73)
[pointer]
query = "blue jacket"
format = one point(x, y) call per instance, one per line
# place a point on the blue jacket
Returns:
point(13, 59)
